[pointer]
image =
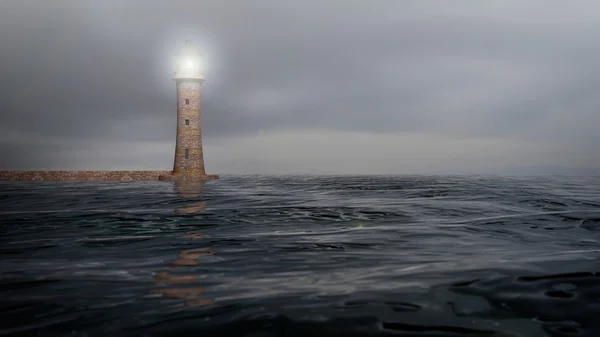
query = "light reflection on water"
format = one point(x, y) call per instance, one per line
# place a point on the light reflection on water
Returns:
point(183, 282)
point(302, 256)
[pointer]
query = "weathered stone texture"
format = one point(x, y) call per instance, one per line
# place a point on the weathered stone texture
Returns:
point(189, 135)
point(193, 85)
point(189, 141)
point(192, 177)
point(186, 165)
point(193, 121)
point(81, 175)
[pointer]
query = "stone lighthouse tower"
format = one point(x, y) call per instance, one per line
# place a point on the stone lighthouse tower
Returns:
point(188, 77)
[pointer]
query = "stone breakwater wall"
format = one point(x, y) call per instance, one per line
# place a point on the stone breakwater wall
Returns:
point(82, 175)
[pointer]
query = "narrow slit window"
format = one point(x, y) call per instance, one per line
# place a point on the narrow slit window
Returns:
point(187, 122)
point(187, 101)
point(187, 153)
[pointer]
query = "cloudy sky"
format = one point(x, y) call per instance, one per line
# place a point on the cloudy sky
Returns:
point(313, 86)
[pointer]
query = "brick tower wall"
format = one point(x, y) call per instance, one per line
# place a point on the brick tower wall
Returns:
point(189, 134)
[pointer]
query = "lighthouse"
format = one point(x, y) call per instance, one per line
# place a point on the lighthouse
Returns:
point(189, 77)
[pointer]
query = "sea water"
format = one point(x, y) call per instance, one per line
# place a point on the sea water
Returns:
point(302, 256)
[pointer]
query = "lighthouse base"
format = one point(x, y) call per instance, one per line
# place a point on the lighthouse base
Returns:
point(187, 177)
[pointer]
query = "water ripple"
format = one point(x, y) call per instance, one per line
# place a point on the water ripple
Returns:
point(300, 255)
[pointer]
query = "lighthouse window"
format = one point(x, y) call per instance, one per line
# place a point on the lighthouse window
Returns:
point(187, 122)
point(187, 101)
point(187, 153)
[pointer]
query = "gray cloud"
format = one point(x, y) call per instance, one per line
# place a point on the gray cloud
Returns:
point(94, 76)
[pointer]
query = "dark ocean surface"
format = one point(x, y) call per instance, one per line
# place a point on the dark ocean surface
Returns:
point(302, 256)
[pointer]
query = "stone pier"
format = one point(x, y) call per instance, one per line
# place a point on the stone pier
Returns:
point(103, 176)
point(82, 175)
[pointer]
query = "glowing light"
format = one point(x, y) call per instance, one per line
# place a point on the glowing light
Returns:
point(189, 62)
